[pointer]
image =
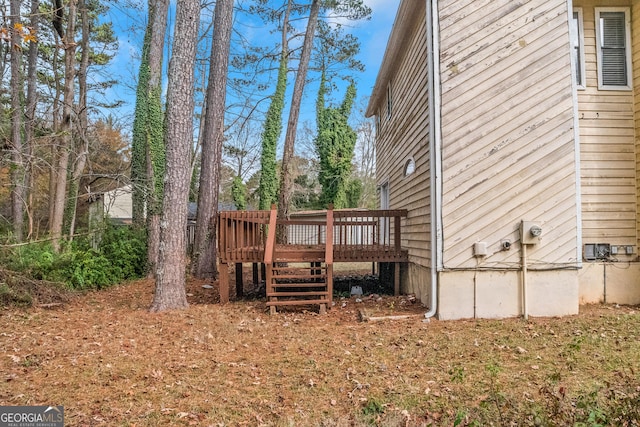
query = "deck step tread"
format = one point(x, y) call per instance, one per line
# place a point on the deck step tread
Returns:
point(297, 294)
point(298, 302)
point(299, 285)
point(298, 276)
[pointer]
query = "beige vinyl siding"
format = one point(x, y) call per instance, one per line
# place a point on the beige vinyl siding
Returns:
point(635, 19)
point(508, 129)
point(607, 149)
point(406, 135)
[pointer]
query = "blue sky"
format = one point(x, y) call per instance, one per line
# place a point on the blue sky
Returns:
point(129, 26)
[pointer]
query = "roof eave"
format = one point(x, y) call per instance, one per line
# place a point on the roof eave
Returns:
point(405, 18)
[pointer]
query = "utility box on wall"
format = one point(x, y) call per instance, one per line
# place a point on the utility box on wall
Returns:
point(596, 251)
point(530, 233)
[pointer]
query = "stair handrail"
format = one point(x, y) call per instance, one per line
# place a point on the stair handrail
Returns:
point(271, 236)
point(328, 257)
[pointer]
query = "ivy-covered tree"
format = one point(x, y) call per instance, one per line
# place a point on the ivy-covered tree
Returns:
point(239, 193)
point(148, 151)
point(268, 187)
point(335, 144)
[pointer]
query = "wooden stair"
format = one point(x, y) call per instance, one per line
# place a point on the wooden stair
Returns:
point(296, 285)
point(299, 275)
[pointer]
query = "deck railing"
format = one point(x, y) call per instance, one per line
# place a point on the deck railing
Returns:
point(355, 235)
point(241, 236)
point(341, 235)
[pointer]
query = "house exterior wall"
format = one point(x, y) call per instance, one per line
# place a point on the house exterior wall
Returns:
point(609, 283)
point(635, 16)
point(518, 143)
point(118, 204)
point(403, 136)
point(508, 154)
point(498, 294)
point(508, 131)
point(608, 122)
point(607, 151)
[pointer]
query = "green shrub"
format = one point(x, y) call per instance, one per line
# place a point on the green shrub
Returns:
point(120, 255)
point(126, 248)
point(34, 260)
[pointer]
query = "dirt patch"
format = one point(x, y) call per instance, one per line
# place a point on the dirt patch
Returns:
point(111, 362)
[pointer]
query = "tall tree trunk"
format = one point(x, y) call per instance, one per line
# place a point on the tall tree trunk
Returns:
point(170, 274)
point(81, 141)
point(58, 37)
point(55, 124)
point(204, 265)
point(18, 193)
point(148, 160)
point(268, 187)
point(155, 148)
point(64, 140)
point(286, 175)
point(30, 111)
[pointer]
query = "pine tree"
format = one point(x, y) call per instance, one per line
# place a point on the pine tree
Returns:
point(148, 150)
point(204, 263)
point(170, 290)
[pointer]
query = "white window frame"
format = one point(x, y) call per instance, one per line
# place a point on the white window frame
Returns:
point(580, 65)
point(628, 47)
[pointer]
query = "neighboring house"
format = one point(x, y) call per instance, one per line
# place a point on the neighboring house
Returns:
point(118, 205)
point(494, 112)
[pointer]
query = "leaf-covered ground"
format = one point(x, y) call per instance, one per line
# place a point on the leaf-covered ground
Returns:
point(112, 363)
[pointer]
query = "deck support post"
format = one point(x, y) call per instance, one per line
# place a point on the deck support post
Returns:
point(239, 281)
point(224, 283)
point(256, 278)
point(396, 279)
point(328, 257)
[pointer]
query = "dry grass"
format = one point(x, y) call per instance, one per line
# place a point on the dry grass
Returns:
point(111, 363)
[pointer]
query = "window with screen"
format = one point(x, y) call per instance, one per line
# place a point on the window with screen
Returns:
point(614, 54)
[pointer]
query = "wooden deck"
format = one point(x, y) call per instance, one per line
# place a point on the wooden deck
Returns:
point(319, 238)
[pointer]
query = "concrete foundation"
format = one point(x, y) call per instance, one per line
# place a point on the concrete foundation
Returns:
point(610, 282)
point(498, 294)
